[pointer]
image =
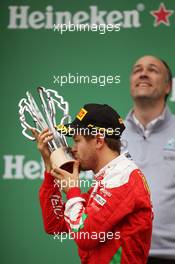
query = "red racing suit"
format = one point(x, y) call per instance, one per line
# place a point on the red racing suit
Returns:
point(112, 223)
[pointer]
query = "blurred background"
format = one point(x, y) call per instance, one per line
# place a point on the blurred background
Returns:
point(32, 53)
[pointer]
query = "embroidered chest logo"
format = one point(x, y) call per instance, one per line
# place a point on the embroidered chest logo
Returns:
point(170, 145)
point(105, 192)
point(99, 199)
point(100, 177)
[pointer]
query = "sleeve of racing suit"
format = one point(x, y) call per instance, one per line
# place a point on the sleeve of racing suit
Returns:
point(99, 217)
point(52, 206)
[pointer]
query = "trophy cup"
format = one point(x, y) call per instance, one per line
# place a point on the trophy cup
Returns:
point(46, 118)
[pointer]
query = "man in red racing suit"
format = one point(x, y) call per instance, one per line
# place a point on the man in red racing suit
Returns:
point(112, 223)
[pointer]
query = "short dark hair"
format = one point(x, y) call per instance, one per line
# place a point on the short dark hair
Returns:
point(170, 76)
point(113, 144)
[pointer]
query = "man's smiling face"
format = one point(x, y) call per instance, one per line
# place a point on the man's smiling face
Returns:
point(149, 79)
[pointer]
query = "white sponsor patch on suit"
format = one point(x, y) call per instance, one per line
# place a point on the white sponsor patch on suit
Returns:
point(100, 200)
point(105, 192)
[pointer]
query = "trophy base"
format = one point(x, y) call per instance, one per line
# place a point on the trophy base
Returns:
point(62, 159)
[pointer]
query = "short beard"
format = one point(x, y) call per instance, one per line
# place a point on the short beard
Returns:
point(83, 168)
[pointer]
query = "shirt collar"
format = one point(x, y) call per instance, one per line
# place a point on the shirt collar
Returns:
point(159, 121)
point(147, 130)
point(100, 175)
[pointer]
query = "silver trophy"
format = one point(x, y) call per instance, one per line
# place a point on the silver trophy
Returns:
point(46, 118)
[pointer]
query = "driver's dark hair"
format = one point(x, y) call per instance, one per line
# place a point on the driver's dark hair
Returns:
point(113, 144)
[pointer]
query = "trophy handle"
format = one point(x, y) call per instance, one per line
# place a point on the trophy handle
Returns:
point(59, 158)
